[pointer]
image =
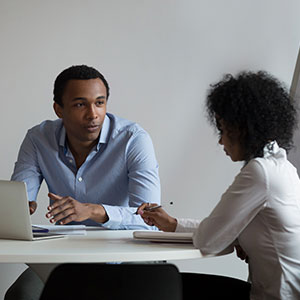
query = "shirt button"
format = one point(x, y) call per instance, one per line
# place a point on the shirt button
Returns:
point(70, 161)
point(80, 179)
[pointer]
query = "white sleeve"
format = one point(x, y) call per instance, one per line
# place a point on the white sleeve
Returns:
point(238, 206)
point(187, 225)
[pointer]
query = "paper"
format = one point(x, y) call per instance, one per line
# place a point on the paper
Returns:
point(63, 229)
point(160, 236)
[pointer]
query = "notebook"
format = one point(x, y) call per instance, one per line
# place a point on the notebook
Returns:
point(161, 236)
point(15, 221)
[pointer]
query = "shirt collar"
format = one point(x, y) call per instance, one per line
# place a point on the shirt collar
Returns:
point(104, 134)
point(271, 149)
point(103, 139)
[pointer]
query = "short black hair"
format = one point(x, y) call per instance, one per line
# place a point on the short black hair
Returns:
point(81, 72)
point(257, 105)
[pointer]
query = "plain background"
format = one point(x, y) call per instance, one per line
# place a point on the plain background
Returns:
point(159, 57)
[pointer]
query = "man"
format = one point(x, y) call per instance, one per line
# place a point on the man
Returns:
point(98, 167)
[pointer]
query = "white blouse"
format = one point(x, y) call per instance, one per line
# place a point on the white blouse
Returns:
point(261, 212)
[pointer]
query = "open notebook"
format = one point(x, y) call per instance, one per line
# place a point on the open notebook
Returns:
point(161, 236)
point(15, 222)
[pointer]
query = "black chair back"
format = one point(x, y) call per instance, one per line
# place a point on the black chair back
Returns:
point(113, 281)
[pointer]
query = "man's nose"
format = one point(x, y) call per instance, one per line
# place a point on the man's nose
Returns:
point(92, 112)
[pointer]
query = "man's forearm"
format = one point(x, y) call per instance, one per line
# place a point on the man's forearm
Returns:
point(97, 212)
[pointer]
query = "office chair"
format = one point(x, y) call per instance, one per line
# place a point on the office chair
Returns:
point(88, 281)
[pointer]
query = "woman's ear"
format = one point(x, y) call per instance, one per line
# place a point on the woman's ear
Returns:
point(58, 109)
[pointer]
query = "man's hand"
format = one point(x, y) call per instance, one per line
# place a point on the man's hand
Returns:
point(67, 209)
point(158, 217)
point(32, 207)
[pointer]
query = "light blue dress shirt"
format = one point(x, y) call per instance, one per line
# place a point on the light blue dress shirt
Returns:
point(120, 173)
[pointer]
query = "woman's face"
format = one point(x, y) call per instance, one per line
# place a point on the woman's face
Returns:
point(230, 139)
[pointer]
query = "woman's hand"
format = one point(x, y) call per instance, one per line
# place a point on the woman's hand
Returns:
point(157, 217)
point(241, 253)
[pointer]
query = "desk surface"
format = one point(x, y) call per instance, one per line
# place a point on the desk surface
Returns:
point(96, 246)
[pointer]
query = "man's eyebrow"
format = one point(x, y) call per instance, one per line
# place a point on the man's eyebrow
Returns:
point(85, 99)
point(101, 97)
point(79, 98)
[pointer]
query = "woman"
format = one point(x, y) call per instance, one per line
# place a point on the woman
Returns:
point(260, 212)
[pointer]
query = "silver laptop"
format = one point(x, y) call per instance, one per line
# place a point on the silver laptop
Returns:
point(15, 222)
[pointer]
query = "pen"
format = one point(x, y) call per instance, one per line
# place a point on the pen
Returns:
point(150, 208)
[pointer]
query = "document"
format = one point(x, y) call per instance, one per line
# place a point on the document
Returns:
point(60, 229)
point(161, 236)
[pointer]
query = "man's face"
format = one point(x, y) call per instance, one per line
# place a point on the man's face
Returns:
point(83, 110)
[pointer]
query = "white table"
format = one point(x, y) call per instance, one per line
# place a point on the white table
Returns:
point(97, 246)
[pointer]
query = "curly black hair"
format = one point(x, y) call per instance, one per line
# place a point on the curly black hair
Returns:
point(75, 72)
point(257, 105)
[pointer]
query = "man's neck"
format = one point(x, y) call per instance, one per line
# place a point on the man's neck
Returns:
point(80, 150)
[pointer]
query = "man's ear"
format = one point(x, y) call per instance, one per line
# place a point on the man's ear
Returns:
point(58, 109)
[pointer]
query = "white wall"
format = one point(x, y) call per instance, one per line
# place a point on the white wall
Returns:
point(159, 58)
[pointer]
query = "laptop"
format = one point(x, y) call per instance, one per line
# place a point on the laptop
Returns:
point(15, 221)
